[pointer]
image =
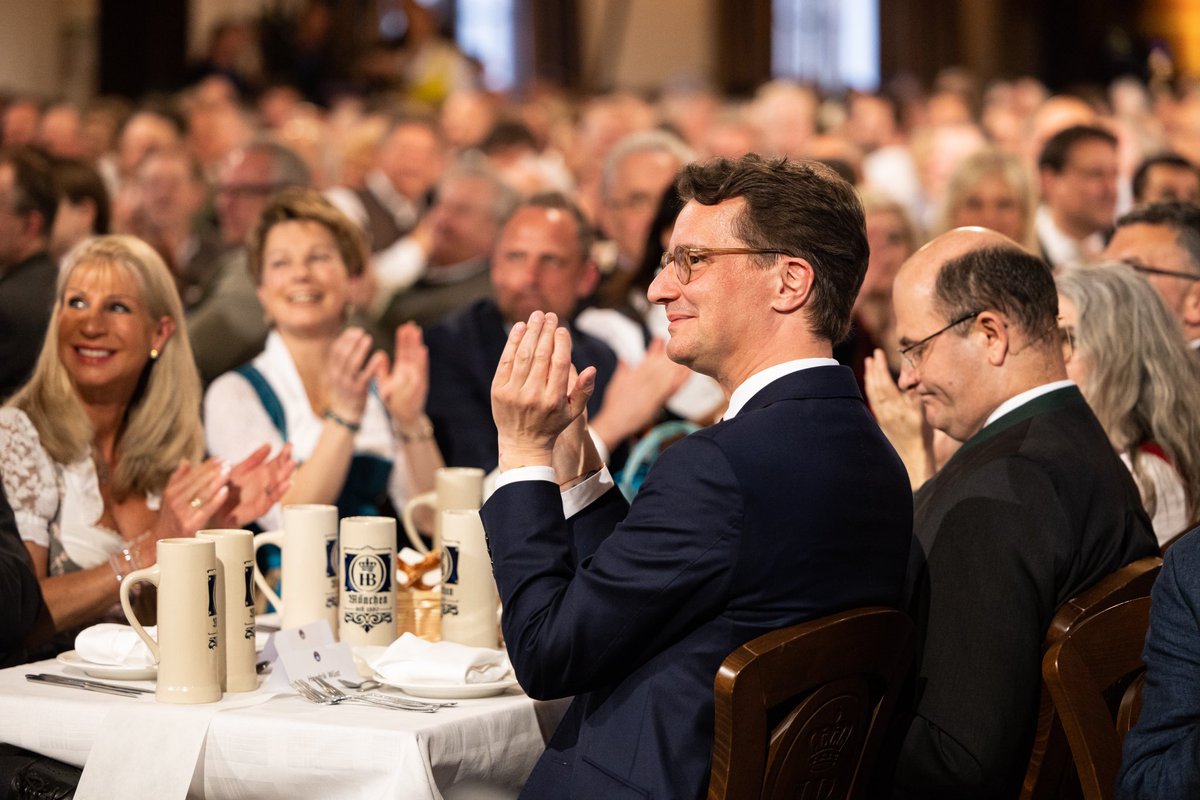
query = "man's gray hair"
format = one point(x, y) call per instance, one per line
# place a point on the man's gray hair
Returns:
point(504, 197)
point(287, 168)
point(655, 141)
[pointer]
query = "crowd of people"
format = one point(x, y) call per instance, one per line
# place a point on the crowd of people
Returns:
point(939, 346)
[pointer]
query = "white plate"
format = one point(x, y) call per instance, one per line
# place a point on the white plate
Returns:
point(465, 691)
point(268, 622)
point(107, 671)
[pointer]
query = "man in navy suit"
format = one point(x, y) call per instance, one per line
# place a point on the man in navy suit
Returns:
point(793, 507)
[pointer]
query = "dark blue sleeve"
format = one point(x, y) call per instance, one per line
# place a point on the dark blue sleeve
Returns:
point(572, 628)
point(1162, 752)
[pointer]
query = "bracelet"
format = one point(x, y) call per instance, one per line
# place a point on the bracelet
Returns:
point(424, 434)
point(123, 562)
point(345, 423)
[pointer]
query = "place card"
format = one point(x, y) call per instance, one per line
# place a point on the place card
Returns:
point(309, 651)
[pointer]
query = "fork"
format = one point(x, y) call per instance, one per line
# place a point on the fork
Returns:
point(321, 691)
point(371, 684)
point(406, 702)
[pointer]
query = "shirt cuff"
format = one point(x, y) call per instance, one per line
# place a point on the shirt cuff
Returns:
point(524, 474)
point(586, 492)
point(601, 447)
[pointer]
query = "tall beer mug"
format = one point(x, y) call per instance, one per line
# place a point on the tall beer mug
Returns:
point(470, 602)
point(309, 575)
point(188, 650)
point(457, 488)
point(367, 585)
point(235, 562)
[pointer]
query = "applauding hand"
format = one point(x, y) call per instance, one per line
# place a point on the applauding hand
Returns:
point(533, 400)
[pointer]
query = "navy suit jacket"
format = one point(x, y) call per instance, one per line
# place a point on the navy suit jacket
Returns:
point(796, 508)
point(464, 351)
point(1162, 752)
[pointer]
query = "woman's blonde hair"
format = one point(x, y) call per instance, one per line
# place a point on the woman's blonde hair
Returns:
point(1144, 378)
point(162, 421)
point(977, 167)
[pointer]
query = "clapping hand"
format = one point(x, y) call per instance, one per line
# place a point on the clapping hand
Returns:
point(255, 484)
point(900, 418)
point(405, 385)
point(351, 368)
point(533, 399)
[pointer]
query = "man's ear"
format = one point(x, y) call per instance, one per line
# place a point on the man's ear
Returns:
point(997, 332)
point(1190, 309)
point(795, 285)
point(587, 279)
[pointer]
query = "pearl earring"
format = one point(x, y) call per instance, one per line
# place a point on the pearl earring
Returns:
point(153, 353)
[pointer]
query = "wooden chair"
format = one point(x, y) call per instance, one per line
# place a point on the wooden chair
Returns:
point(801, 712)
point(1050, 774)
point(1087, 674)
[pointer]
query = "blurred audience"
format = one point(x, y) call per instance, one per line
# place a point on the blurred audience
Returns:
point(1078, 174)
point(28, 206)
point(1164, 178)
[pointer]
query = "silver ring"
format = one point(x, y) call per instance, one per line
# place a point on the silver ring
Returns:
point(196, 502)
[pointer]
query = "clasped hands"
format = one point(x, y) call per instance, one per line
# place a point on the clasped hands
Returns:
point(536, 396)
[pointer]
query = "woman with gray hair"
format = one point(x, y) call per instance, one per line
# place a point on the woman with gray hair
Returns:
point(1141, 379)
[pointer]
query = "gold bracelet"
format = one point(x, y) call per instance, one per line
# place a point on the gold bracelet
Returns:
point(353, 427)
point(423, 435)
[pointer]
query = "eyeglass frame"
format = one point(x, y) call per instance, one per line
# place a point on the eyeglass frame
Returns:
point(1146, 269)
point(689, 254)
point(915, 361)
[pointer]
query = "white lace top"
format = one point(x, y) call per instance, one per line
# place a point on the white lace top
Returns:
point(57, 506)
point(236, 423)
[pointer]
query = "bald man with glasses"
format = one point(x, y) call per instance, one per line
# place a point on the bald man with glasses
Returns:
point(1034, 507)
point(792, 507)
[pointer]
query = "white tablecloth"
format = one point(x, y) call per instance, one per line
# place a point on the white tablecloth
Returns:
point(288, 748)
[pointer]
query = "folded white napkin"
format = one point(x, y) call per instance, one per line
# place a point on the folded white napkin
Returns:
point(413, 660)
point(114, 645)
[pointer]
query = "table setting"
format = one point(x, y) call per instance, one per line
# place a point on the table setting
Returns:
point(335, 696)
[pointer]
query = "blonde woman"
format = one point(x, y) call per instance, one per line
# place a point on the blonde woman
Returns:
point(991, 189)
point(97, 450)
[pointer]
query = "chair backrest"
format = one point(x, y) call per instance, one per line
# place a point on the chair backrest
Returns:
point(1050, 774)
point(801, 712)
point(1087, 674)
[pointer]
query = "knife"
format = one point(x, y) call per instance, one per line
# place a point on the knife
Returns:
point(95, 686)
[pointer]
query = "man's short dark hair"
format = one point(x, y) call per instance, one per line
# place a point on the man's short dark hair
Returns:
point(33, 185)
point(1007, 279)
point(583, 229)
point(77, 181)
point(1179, 216)
point(1058, 147)
point(1142, 174)
point(802, 208)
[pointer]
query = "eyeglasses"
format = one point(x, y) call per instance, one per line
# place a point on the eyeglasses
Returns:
point(685, 258)
point(1068, 341)
point(1145, 269)
point(914, 353)
point(248, 189)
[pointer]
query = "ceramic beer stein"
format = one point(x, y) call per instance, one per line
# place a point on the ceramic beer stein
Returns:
point(457, 488)
point(367, 585)
point(470, 602)
point(235, 556)
point(309, 574)
point(189, 620)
